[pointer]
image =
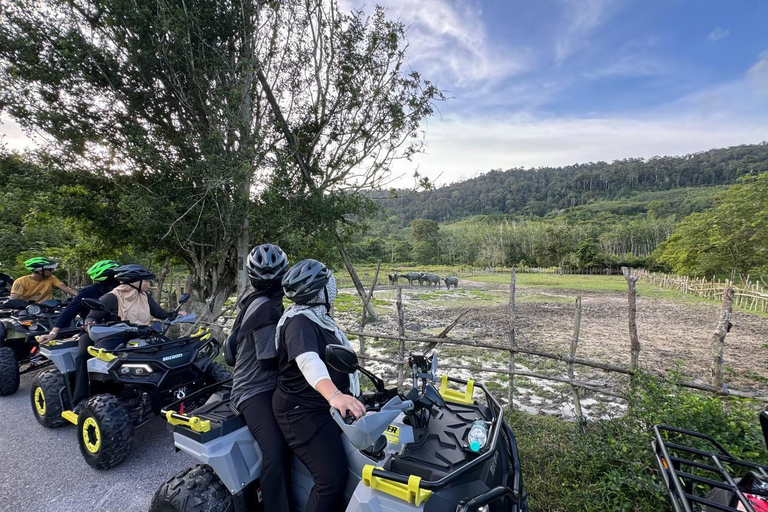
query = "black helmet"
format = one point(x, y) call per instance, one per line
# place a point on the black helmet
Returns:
point(266, 262)
point(132, 273)
point(304, 280)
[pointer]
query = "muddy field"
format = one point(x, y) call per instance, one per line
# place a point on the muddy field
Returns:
point(675, 333)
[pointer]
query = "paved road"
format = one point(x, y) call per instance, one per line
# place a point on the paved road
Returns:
point(41, 470)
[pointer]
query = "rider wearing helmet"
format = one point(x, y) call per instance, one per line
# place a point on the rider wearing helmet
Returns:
point(102, 273)
point(251, 350)
point(38, 286)
point(306, 385)
point(130, 301)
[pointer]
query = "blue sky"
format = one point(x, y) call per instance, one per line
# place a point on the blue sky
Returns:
point(555, 82)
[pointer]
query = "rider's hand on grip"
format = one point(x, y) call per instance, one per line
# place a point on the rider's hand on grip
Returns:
point(348, 405)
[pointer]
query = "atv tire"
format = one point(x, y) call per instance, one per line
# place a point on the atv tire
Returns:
point(195, 489)
point(9, 371)
point(46, 396)
point(104, 431)
point(216, 373)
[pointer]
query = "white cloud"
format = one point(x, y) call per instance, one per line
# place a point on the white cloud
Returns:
point(449, 43)
point(758, 73)
point(582, 17)
point(13, 137)
point(718, 34)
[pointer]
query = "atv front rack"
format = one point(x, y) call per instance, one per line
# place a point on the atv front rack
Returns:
point(690, 472)
point(499, 431)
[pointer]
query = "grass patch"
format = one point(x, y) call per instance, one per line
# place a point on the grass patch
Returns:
point(346, 302)
point(608, 465)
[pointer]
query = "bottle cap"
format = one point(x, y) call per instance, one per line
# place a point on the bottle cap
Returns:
point(474, 446)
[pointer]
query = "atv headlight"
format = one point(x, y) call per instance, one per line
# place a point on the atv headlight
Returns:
point(135, 369)
point(33, 309)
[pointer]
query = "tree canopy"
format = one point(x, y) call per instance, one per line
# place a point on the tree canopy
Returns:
point(157, 111)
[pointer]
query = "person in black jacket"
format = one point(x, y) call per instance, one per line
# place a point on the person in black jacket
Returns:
point(306, 386)
point(103, 275)
point(131, 302)
point(252, 343)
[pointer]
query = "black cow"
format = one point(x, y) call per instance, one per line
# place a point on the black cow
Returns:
point(451, 281)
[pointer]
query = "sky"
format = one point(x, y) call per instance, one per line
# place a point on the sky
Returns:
point(556, 82)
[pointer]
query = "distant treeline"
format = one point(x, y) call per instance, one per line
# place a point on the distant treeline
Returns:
point(537, 192)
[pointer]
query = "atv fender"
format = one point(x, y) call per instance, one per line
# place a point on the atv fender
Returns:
point(235, 457)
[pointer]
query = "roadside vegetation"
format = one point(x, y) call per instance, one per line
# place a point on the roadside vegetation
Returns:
point(608, 465)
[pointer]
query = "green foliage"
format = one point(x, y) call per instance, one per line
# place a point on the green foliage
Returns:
point(733, 235)
point(608, 465)
point(425, 235)
point(542, 191)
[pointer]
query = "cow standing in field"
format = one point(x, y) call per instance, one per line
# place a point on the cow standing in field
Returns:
point(451, 281)
point(431, 279)
point(393, 278)
point(411, 277)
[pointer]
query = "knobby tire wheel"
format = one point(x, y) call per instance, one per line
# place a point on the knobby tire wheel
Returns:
point(9, 371)
point(195, 489)
point(46, 397)
point(104, 431)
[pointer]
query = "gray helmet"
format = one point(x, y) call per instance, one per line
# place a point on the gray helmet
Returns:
point(132, 273)
point(266, 262)
point(304, 280)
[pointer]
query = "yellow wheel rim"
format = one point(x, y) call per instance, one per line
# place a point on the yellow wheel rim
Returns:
point(91, 435)
point(40, 401)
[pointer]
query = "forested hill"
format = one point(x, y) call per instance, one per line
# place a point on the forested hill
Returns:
point(539, 191)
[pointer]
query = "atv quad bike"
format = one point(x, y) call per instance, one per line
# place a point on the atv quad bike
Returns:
point(20, 323)
point(409, 453)
point(701, 476)
point(128, 385)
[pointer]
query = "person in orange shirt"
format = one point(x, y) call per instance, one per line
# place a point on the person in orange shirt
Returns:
point(38, 286)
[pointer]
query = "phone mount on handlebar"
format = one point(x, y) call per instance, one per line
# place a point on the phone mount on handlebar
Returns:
point(422, 368)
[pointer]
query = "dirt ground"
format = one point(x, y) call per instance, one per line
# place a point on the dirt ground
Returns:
point(673, 334)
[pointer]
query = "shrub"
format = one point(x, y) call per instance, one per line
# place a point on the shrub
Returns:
point(608, 464)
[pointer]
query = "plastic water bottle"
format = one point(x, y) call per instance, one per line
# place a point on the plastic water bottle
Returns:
point(478, 435)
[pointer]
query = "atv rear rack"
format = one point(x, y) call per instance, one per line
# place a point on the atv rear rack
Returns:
point(688, 470)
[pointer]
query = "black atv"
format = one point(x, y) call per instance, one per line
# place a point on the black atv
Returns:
point(20, 323)
point(701, 476)
point(128, 385)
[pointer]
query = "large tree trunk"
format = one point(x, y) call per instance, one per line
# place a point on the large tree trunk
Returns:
point(210, 285)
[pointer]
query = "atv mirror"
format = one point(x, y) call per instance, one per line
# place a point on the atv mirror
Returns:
point(184, 298)
point(94, 304)
point(764, 424)
point(340, 358)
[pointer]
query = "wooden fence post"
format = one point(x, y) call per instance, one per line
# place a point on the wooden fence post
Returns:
point(718, 338)
point(632, 310)
point(356, 280)
point(401, 340)
point(574, 346)
point(512, 341)
point(366, 301)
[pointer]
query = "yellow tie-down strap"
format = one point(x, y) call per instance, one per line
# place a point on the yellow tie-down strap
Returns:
point(194, 422)
point(204, 333)
point(410, 492)
point(100, 353)
point(451, 395)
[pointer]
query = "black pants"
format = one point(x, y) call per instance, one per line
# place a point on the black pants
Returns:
point(315, 439)
point(81, 364)
point(276, 458)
